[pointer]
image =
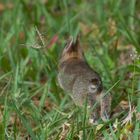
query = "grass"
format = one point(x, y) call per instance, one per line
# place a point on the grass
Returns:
point(32, 36)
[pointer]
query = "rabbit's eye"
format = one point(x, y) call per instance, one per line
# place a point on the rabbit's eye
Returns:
point(94, 81)
point(95, 85)
point(92, 88)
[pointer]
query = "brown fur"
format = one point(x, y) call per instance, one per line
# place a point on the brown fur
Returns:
point(81, 82)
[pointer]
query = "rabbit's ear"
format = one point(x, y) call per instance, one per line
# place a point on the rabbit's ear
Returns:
point(68, 44)
point(73, 46)
point(72, 50)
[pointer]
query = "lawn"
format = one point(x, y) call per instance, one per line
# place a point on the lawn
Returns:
point(32, 37)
